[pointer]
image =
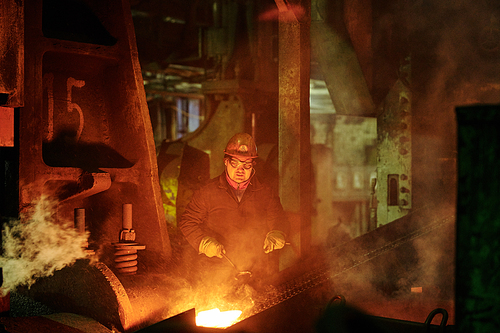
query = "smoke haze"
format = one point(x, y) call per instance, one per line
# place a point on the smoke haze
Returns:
point(37, 245)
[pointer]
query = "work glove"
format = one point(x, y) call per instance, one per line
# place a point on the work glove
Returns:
point(211, 247)
point(275, 240)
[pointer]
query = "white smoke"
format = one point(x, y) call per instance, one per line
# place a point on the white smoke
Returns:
point(37, 245)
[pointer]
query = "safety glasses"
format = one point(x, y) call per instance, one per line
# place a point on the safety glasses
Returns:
point(236, 163)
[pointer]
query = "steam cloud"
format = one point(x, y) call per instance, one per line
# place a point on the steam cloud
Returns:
point(37, 245)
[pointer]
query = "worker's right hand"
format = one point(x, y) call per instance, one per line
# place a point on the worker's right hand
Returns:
point(211, 247)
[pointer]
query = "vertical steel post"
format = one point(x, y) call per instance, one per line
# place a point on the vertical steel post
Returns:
point(294, 122)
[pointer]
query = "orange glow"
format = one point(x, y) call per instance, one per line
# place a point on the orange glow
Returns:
point(216, 318)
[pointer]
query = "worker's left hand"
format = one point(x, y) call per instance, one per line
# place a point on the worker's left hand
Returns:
point(275, 240)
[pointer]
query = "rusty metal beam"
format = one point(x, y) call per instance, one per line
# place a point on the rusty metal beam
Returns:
point(294, 145)
point(6, 127)
point(394, 138)
point(339, 65)
point(11, 53)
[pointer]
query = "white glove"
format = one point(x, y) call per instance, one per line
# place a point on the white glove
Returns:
point(275, 240)
point(211, 247)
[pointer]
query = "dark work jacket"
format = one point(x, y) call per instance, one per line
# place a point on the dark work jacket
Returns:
point(240, 226)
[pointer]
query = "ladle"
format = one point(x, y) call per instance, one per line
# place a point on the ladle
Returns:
point(241, 274)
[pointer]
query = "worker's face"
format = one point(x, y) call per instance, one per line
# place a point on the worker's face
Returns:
point(239, 170)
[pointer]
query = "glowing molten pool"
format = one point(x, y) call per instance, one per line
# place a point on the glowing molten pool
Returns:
point(216, 318)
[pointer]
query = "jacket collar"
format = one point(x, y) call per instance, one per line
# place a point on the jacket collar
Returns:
point(238, 186)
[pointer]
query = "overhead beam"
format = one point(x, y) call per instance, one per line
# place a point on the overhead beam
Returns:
point(332, 49)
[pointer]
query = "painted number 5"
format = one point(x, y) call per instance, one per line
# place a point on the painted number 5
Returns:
point(70, 83)
point(48, 81)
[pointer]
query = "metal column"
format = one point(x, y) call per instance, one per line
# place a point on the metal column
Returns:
point(294, 123)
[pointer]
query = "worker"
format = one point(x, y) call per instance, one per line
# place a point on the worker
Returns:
point(234, 221)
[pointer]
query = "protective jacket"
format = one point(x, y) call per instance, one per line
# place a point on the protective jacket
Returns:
point(240, 226)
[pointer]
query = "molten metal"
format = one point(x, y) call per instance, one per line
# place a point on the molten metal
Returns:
point(216, 318)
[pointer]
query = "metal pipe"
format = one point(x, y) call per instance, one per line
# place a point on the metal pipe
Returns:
point(79, 219)
point(127, 216)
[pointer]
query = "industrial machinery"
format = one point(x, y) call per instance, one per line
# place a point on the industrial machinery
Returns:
point(89, 126)
point(84, 140)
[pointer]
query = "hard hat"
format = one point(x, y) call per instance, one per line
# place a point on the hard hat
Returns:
point(241, 145)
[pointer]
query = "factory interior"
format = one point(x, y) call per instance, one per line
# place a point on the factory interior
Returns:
point(375, 121)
